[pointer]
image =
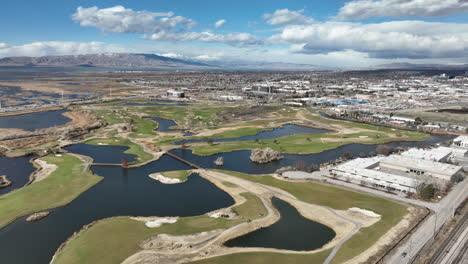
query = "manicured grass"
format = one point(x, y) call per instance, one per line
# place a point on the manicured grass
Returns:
point(341, 199)
point(182, 175)
point(299, 144)
point(267, 258)
point(231, 185)
point(63, 185)
point(113, 240)
point(134, 149)
point(143, 127)
point(111, 117)
point(236, 133)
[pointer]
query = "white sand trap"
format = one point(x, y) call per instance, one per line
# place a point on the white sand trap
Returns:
point(101, 143)
point(159, 222)
point(364, 212)
point(58, 155)
point(216, 215)
point(162, 179)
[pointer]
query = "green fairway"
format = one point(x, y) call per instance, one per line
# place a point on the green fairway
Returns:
point(300, 144)
point(63, 185)
point(341, 199)
point(113, 240)
point(143, 128)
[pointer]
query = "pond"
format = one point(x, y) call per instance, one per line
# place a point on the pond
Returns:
point(291, 232)
point(102, 153)
point(17, 171)
point(33, 121)
point(164, 124)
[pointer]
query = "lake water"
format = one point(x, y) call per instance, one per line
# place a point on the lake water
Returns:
point(33, 121)
point(17, 171)
point(123, 192)
point(102, 153)
point(164, 124)
point(292, 232)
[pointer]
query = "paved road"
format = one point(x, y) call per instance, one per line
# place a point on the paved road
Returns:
point(442, 212)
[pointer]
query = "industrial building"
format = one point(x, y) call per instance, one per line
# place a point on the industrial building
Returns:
point(403, 172)
point(461, 141)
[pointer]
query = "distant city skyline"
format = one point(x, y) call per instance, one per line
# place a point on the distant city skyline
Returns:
point(356, 33)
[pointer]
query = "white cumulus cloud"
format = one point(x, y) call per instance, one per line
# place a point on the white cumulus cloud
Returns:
point(123, 20)
point(172, 55)
point(220, 23)
point(284, 17)
point(361, 9)
point(208, 37)
point(399, 39)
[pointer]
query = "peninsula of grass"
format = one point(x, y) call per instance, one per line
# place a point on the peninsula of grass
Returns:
point(182, 175)
point(340, 199)
point(134, 148)
point(303, 143)
point(62, 186)
point(123, 234)
point(143, 127)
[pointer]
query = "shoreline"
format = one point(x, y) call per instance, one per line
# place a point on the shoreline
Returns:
point(86, 168)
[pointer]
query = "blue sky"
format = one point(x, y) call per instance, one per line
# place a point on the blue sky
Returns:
point(351, 33)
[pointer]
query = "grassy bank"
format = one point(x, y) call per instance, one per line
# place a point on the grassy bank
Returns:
point(134, 149)
point(123, 234)
point(63, 185)
point(267, 258)
point(341, 199)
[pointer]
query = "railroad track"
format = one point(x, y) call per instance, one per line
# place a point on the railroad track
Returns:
point(442, 253)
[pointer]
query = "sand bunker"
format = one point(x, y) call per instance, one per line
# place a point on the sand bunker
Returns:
point(364, 212)
point(159, 222)
point(162, 179)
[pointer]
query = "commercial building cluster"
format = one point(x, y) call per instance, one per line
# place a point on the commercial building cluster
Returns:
point(407, 171)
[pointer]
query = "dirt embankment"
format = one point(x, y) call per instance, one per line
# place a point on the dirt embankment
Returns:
point(17, 139)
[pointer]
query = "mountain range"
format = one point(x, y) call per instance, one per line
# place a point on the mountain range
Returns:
point(152, 61)
point(149, 61)
point(112, 60)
